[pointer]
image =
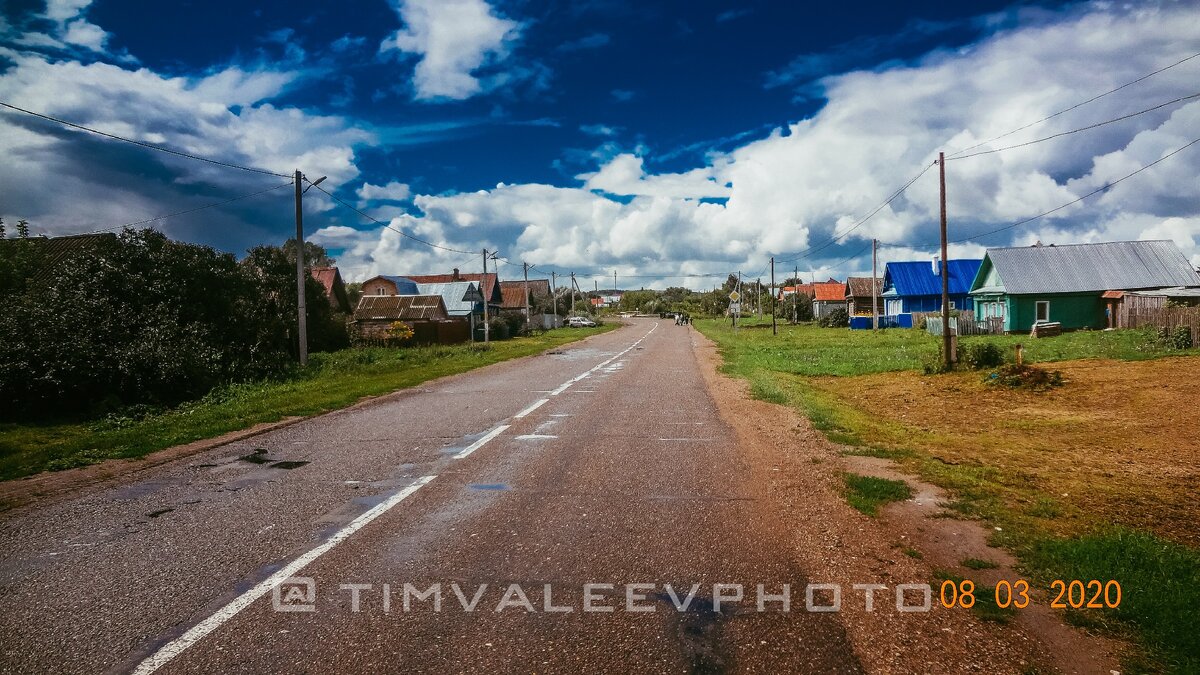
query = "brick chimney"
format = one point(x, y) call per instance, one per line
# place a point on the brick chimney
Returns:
point(455, 275)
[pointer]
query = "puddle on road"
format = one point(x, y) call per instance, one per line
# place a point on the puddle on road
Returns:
point(289, 465)
point(490, 486)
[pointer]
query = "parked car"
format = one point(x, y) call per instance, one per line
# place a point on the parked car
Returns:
point(580, 322)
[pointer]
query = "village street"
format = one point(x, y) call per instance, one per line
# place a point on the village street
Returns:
point(604, 463)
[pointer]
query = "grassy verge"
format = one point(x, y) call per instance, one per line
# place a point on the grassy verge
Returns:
point(330, 381)
point(868, 493)
point(1090, 481)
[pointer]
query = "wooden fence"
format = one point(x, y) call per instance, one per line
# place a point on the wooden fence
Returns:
point(1170, 318)
point(965, 324)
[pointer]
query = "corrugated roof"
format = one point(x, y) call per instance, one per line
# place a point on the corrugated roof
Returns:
point(490, 289)
point(916, 277)
point(860, 287)
point(400, 308)
point(512, 293)
point(829, 291)
point(1077, 268)
point(459, 297)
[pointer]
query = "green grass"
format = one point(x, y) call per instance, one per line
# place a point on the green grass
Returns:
point(979, 564)
point(867, 493)
point(1160, 587)
point(331, 381)
point(813, 351)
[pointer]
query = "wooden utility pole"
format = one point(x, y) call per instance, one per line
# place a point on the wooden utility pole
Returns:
point(774, 325)
point(874, 291)
point(795, 290)
point(573, 294)
point(528, 316)
point(301, 308)
point(483, 288)
point(614, 280)
point(946, 342)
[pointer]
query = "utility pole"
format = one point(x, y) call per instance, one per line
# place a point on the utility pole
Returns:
point(554, 295)
point(874, 274)
point(946, 342)
point(774, 325)
point(614, 279)
point(795, 290)
point(573, 294)
point(483, 287)
point(528, 316)
point(301, 309)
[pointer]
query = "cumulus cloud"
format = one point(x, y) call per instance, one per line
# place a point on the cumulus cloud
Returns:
point(394, 191)
point(452, 39)
point(815, 180)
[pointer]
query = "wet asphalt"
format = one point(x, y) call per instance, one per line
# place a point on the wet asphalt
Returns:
point(624, 486)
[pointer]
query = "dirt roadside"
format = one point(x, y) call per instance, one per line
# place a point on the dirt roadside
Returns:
point(800, 471)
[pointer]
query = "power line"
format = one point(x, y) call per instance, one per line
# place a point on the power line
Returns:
point(1077, 105)
point(388, 225)
point(1105, 187)
point(143, 144)
point(813, 249)
point(193, 210)
point(1075, 131)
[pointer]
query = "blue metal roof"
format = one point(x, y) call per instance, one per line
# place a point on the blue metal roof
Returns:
point(916, 277)
point(404, 285)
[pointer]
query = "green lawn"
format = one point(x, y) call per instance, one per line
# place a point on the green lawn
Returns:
point(330, 381)
point(809, 350)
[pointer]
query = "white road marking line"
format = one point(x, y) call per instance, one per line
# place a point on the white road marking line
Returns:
point(531, 408)
point(686, 439)
point(560, 415)
point(174, 648)
point(534, 437)
point(568, 383)
point(481, 442)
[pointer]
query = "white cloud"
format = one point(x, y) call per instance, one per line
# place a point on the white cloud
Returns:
point(818, 177)
point(454, 39)
point(72, 28)
point(394, 191)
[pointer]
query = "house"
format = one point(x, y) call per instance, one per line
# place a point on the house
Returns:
point(488, 284)
point(425, 314)
point(1075, 285)
point(389, 285)
point(331, 280)
point(512, 294)
point(828, 296)
point(859, 294)
point(462, 300)
point(916, 286)
point(803, 289)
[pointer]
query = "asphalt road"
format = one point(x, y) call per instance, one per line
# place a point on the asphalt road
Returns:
point(562, 508)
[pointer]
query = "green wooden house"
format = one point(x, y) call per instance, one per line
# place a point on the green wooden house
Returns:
point(1067, 284)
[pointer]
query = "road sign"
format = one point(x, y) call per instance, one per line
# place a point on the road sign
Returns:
point(734, 296)
point(735, 308)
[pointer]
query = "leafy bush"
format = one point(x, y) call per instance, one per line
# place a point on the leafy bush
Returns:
point(140, 319)
point(497, 328)
point(980, 355)
point(838, 318)
point(1180, 338)
point(1025, 376)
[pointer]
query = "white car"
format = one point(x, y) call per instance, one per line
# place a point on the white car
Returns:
point(580, 322)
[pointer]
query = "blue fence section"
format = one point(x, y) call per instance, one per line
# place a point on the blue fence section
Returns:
point(897, 321)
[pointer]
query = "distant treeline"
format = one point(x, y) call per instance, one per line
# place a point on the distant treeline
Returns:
point(103, 322)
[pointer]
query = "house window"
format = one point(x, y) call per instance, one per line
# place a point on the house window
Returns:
point(1043, 311)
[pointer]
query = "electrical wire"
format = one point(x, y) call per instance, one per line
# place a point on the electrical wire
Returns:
point(1075, 131)
point(143, 144)
point(192, 210)
point(388, 225)
point(1077, 105)
point(806, 253)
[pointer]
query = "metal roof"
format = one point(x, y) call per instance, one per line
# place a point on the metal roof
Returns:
point(1078, 268)
point(860, 287)
point(400, 308)
point(916, 277)
point(827, 291)
point(1177, 292)
point(459, 297)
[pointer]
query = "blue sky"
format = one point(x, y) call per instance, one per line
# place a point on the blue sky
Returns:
point(652, 138)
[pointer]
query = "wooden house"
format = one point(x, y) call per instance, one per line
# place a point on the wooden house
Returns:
point(859, 294)
point(916, 286)
point(1075, 285)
